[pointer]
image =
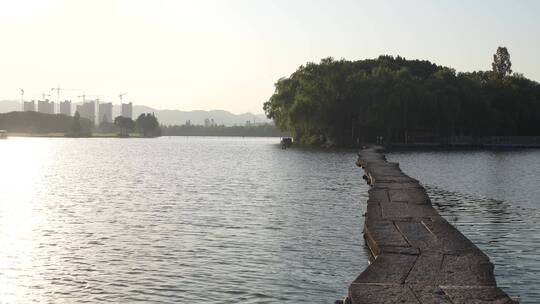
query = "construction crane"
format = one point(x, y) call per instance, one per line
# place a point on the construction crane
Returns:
point(121, 95)
point(22, 99)
point(84, 97)
point(97, 99)
point(43, 95)
point(58, 89)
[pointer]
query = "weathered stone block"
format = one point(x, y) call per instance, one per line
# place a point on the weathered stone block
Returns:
point(388, 268)
point(449, 238)
point(396, 179)
point(374, 211)
point(429, 294)
point(395, 210)
point(381, 294)
point(476, 295)
point(422, 211)
point(426, 269)
point(417, 235)
point(397, 185)
point(379, 195)
point(468, 269)
point(399, 250)
point(417, 195)
point(384, 233)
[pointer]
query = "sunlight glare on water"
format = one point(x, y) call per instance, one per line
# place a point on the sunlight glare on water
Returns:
point(23, 165)
point(216, 220)
point(232, 220)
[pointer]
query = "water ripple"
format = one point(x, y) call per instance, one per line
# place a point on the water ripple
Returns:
point(493, 198)
point(215, 220)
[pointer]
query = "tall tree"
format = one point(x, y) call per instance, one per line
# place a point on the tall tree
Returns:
point(501, 63)
point(148, 124)
point(76, 128)
point(125, 124)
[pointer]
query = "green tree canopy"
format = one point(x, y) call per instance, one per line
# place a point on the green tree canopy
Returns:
point(76, 128)
point(125, 124)
point(41, 123)
point(502, 66)
point(148, 125)
point(344, 103)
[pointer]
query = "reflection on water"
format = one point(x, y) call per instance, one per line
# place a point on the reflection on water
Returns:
point(215, 220)
point(494, 199)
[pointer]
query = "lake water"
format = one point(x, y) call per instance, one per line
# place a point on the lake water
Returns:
point(177, 220)
point(230, 220)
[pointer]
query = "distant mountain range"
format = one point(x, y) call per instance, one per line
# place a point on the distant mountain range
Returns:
point(197, 117)
point(172, 117)
point(9, 106)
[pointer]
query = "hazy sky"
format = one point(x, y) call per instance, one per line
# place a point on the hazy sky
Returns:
point(228, 54)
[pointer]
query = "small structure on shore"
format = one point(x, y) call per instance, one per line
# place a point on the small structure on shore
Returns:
point(3, 134)
point(286, 142)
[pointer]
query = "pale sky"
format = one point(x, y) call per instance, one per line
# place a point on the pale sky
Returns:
point(203, 54)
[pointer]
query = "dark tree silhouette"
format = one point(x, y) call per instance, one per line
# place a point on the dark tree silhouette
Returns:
point(41, 123)
point(502, 66)
point(76, 128)
point(125, 124)
point(188, 129)
point(344, 103)
point(106, 126)
point(148, 125)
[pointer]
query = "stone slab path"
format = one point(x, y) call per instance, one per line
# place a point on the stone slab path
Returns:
point(419, 256)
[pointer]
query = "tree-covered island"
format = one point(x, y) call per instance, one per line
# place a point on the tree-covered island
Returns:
point(347, 103)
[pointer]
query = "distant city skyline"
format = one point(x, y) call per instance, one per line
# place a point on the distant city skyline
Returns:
point(204, 55)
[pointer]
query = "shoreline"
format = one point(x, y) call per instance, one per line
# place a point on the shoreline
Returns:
point(435, 147)
point(14, 135)
point(61, 135)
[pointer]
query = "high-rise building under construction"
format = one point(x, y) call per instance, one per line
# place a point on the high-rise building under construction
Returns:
point(127, 110)
point(65, 107)
point(105, 112)
point(87, 110)
point(45, 106)
point(29, 106)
